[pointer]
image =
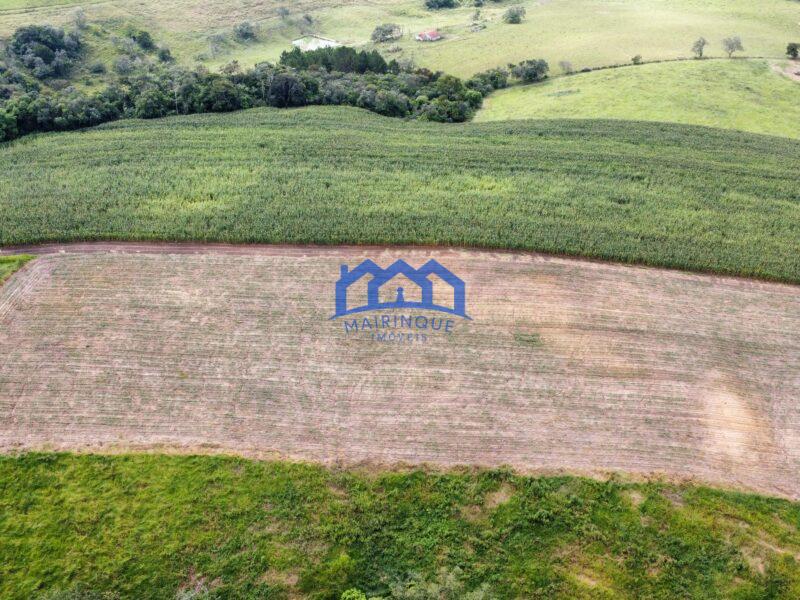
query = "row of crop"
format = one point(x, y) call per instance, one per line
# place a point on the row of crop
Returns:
point(647, 193)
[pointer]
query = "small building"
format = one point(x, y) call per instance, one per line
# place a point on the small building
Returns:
point(431, 35)
point(314, 42)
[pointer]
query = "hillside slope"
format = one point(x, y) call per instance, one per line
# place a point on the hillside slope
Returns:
point(747, 95)
point(659, 194)
point(585, 32)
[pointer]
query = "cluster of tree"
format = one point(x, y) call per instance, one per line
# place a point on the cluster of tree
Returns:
point(154, 89)
point(530, 71)
point(730, 45)
point(46, 51)
point(342, 59)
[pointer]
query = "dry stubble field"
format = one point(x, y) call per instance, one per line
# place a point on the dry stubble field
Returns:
point(566, 364)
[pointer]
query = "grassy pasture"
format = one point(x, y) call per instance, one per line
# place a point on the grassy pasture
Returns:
point(659, 194)
point(586, 32)
point(9, 264)
point(747, 95)
point(148, 526)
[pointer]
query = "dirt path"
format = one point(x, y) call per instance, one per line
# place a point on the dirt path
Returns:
point(567, 364)
point(792, 70)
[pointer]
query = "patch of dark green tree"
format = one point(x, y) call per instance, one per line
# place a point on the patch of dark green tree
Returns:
point(36, 94)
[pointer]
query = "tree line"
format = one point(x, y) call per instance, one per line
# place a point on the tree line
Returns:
point(145, 86)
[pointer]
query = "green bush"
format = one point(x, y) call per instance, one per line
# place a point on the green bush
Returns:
point(514, 15)
point(437, 4)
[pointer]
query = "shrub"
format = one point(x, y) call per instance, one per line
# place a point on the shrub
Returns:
point(793, 50)
point(385, 33)
point(123, 65)
point(164, 54)
point(8, 126)
point(437, 4)
point(637, 60)
point(566, 66)
point(530, 71)
point(514, 15)
point(244, 31)
point(79, 19)
point(143, 39)
point(97, 68)
point(488, 81)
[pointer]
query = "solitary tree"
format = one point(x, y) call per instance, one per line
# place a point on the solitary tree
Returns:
point(793, 50)
point(699, 47)
point(732, 44)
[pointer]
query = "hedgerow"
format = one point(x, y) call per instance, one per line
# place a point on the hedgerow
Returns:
point(146, 84)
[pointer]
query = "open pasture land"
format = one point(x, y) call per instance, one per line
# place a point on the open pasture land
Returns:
point(662, 194)
point(748, 95)
point(565, 365)
point(585, 32)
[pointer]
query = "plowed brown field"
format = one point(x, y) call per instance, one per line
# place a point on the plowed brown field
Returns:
point(567, 364)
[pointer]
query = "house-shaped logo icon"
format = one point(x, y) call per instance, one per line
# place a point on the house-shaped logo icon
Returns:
point(381, 279)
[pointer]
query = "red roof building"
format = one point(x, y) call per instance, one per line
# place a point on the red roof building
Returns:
point(429, 36)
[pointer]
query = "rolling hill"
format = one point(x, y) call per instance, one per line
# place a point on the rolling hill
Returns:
point(659, 194)
point(748, 95)
point(585, 32)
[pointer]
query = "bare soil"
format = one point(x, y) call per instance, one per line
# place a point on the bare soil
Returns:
point(791, 70)
point(231, 349)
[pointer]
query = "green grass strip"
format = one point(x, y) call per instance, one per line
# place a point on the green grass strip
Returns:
point(148, 526)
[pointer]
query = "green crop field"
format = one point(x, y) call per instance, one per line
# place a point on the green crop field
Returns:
point(659, 194)
point(748, 95)
point(147, 526)
point(585, 32)
point(9, 264)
